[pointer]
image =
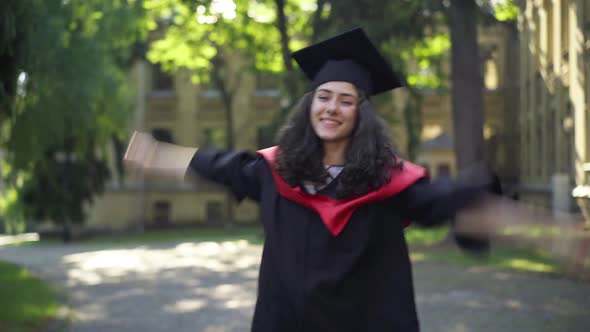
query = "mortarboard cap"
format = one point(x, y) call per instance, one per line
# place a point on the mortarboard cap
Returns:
point(349, 57)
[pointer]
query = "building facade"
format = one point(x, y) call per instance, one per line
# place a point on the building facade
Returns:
point(553, 96)
point(174, 109)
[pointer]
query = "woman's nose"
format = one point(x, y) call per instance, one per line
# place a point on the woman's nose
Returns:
point(332, 107)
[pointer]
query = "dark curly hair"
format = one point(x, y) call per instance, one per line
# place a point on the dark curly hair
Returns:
point(370, 156)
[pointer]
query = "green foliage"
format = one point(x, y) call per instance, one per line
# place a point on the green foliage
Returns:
point(505, 10)
point(406, 31)
point(427, 245)
point(13, 221)
point(26, 302)
point(57, 190)
point(69, 71)
point(192, 34)
point(420, 236)
point(522, 260)
point(64, 77)
point(426, 58)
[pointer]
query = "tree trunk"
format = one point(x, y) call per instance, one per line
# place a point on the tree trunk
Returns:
point(66, 234)
point(290, 81)
point(467, 103)
point(467, 84)
point(318, 22)
point(227, 96)
point(413, 122)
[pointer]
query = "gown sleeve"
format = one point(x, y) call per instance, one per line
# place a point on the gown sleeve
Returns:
point(238, 171)
point(433, 203)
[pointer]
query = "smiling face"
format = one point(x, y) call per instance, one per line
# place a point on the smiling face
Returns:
point(334, 111)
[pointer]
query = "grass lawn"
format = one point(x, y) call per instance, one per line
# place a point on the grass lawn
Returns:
point(503, 258)
point(426, 246)
point(26, 303)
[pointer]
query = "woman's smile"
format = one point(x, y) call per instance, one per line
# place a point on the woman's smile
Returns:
point(330, 123)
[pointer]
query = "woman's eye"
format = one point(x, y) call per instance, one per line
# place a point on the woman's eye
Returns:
point(347, 103)
point(324, 98)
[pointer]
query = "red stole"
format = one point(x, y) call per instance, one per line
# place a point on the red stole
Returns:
point(335, 213)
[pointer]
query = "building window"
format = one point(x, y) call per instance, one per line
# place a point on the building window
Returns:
point(163, 135)
point(540, 157)
point(550, 157)
point(540, 89)
point(214, 213)
point(490, 68)
point(161, 213)
point(161, 81)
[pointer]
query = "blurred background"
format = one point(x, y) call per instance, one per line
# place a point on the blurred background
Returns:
point(501, 81)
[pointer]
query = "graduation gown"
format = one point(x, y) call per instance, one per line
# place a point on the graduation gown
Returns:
point(313, 279)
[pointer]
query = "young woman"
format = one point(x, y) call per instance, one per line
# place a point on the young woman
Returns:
point(334, 199)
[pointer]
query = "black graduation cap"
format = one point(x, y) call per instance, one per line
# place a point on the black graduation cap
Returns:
point(349, 57)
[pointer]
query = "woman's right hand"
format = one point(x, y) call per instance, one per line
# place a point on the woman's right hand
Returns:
point(145, 155)
point(140, 152)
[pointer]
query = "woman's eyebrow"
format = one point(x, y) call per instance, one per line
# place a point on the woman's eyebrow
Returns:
point(342, 94)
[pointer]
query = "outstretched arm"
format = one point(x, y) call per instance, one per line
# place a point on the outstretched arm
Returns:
point(235, 170)
point(148, 156)
point(448, 200)
point(432, 203)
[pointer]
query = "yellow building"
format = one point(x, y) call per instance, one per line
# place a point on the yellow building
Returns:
point(176, 110)
point(553, 112)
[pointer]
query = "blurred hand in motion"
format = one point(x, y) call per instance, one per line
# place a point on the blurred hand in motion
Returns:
point(140, 152)
point(147, 156)
point(497, 216)
point(479, 219)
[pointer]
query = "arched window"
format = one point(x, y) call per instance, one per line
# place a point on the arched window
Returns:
point(163, 135)
point(161, 81)
point(490, 67)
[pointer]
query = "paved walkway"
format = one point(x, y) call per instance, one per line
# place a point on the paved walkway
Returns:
point(210, 287)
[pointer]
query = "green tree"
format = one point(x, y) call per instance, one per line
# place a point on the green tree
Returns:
point(63, 87)
point(467, 84)
point(58, 188)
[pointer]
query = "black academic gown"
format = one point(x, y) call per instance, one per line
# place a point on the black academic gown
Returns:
point(313, 281)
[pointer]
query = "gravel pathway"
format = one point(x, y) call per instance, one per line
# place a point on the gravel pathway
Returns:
point(210, 287)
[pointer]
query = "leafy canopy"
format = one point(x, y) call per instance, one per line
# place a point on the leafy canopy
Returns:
point(63, 79)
